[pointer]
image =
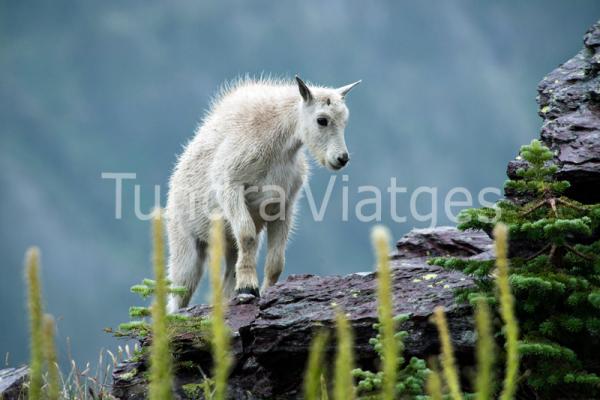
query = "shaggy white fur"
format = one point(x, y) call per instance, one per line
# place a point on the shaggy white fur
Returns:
point(246, 163)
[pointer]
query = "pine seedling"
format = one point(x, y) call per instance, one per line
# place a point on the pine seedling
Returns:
point(343, 386)
point(314, 369)
point(538, 177)
point(485, 351)
point(220, 331)
point(410, 377)
point(161, 376)
point(396, 378)
point(381, 239)
point(146, 289)
point(36, 338)
point(51, 359)
point(507, 313)
point(553, 275)
point(447, 356)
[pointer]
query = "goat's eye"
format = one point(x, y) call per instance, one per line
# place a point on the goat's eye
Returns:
point(322, 121)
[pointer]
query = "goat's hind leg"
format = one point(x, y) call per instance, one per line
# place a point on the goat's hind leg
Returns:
point(186, 261)
point(230, 261)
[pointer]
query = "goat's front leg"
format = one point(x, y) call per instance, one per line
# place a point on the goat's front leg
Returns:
point(277, 234)
point(233, 203)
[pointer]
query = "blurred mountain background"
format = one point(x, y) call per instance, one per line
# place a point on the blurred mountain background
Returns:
point(448, 96)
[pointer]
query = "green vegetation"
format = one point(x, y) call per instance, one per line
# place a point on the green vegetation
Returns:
point(389, 354)
point(343, 388)
point(409, 380)
point(395, 379)
point(507, 309)
point(485, 352)
point(220, 331)
point(554, 292)
point(51, 360)
point(45, 378)
point(484, 379)
point(447, 356)
point(161, 375)
point(314, 368)
point(411, 377)
point(177, 324)
point(195, 390)
point(36, 363)
point(434, 385)
point(556, 285)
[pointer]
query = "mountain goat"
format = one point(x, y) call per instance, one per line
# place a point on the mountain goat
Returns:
point(246, 163)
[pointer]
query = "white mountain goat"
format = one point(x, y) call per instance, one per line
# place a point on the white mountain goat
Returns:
point(246, 163)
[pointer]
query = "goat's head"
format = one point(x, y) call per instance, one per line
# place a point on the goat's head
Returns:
point(322, 121)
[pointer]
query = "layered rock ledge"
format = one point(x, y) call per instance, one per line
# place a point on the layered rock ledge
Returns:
point(569, 103)
point(272, 335)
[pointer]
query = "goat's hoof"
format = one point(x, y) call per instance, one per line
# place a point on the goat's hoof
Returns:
point(248, 290)
point(246, 295)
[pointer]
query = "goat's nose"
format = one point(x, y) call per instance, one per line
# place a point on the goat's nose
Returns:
point(343, 159)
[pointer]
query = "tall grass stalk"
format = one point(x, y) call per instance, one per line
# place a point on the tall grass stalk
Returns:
point(161, 375)
point(447, 356)
point(381, 238)
point(485, 351)
point(343, 385)
point(51, 359)
point(507, 313)
point(220, 332)
point(434, 385)
point(36, 338)
point(314, 368)
point(324, 393)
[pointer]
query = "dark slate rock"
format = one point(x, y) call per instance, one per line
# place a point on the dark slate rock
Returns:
point(569, 103)
point(271, 336)
point(442, 241)
point(12, 382)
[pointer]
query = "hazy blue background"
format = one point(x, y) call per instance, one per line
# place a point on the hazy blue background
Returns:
point(448, 95)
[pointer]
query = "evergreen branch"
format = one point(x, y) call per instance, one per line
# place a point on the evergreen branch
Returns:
point(134, 325)
point(570, 204)
point(536, 206)
point(539, 252)
point(580, 254)
point(547, 350)
point(139, 312)
point(552, 202)
point(143, 290)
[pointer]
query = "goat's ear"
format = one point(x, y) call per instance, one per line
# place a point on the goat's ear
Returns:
point(304, 90)
point(343, 91)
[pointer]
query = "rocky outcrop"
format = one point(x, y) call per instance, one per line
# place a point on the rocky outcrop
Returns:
point(442, 241)
point(271, 336)
point(569, 103)
point(12, 382)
